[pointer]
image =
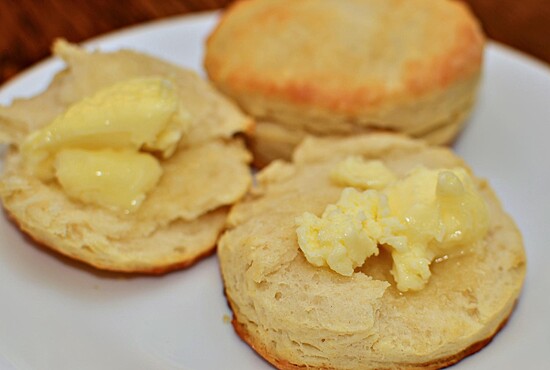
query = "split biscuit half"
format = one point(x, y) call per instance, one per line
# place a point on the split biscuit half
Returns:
point(297, 315)
point(181, 218)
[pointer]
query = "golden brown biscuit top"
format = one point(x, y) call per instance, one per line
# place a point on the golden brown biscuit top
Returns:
point(343, 54)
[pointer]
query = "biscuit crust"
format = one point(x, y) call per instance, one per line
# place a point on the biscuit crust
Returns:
point(432, 365)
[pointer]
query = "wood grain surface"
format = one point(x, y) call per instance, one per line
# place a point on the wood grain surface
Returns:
point(29, 26)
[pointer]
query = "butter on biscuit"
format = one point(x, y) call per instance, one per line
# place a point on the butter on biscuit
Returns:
point(124, 162)
point(298, 315)
point(427, 214)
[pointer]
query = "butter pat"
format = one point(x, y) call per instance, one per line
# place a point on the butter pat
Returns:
point(338, 238)
point(100, 149)
point(426, 215)
point(118, 180)
point(142, 113)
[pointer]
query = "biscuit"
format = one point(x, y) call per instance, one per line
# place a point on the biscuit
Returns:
point(297, 315)
point(327, 67)
point(182, 217)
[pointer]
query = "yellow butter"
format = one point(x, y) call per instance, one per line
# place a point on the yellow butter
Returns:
point(428, 214)
point(114, 179)
point(338, 238)
point(109, 134)
point(142, 113)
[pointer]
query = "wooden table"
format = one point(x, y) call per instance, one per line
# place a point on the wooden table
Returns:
point(29, 26)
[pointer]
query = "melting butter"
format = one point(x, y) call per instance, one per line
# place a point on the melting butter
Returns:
point(123, 124)
point(426, 215)
point(113, 179)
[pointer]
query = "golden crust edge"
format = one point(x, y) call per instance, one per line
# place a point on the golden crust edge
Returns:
point(63, 254)
point(439, 363)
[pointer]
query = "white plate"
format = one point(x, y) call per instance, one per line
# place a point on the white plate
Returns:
point(58, 315)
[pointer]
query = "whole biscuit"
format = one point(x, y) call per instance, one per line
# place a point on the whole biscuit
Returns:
point(297, 315)
point(331, 67)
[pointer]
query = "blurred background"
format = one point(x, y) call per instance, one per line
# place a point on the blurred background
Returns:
point(29, 26)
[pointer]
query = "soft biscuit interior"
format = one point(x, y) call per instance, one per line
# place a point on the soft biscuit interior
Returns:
point(180, 218)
